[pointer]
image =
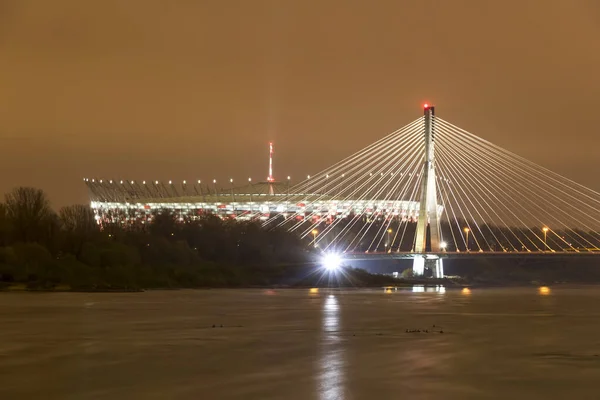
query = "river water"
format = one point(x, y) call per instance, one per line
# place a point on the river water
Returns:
point(297, 344)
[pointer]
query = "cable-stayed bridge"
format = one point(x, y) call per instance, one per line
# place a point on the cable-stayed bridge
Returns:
point(432, 190)
point(427, 191)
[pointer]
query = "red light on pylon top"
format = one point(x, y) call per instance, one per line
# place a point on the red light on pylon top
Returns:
point(426, 106)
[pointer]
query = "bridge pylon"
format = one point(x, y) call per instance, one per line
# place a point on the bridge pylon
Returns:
point(428, 208)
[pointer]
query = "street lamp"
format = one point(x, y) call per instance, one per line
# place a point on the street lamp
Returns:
point(443, 246)
point(314, 233)
point(389, 232)
point(250, 183)
point(545, 230)
point(467, 230)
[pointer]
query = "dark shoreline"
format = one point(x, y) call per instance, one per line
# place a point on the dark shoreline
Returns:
point(448, 285)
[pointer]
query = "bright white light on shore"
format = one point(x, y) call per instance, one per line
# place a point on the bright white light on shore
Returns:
point(443, 245)
point(332, 262)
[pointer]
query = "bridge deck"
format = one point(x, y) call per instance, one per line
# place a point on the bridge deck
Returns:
point(470, 255)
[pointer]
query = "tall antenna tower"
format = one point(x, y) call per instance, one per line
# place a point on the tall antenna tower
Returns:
point(270, 178)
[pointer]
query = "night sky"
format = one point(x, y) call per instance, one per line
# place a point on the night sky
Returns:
point(149, 89)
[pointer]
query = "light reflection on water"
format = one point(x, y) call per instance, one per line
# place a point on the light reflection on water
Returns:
point(428, 289)
point(544, 290)
point(331, 377)
point(517, 343)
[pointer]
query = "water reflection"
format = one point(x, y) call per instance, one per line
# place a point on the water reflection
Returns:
point(428, 289)
point(466, 291)
point(544, 290)
point(331, 376)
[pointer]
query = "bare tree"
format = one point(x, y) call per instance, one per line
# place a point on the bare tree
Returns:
point(79, 223)
point(29, 213)
point(78, 218)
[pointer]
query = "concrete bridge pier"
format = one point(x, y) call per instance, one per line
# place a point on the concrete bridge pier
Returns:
point(421, 262)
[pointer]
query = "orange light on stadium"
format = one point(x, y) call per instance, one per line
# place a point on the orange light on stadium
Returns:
point(466, 291)
point(544, 290)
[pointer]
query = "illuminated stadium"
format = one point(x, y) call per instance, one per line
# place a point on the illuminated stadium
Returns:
point(129, 201)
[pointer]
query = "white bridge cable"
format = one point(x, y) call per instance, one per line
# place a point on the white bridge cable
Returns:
point(412, 150)
point(547, 186)
point(526, 225)
point(414, 194)
point(456, 175)
point(514, 195)
point(591, 195)
point(362, 173)
point(371, 154)
point(348, 227)
point(502, 203)
point(527, 186)
point(384, 227)
point(454, 178)
point(493, 162)
point(476, 191)
point(445, 205)
point(486, 192)
point(375, 164)
point(373, 161)
point(372, 148)
point(460, 209)
point(413, 144)
point(491, 176)
point(444, 155)
point(364, 228)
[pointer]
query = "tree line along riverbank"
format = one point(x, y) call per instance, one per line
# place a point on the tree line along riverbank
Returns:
point(41, 249)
